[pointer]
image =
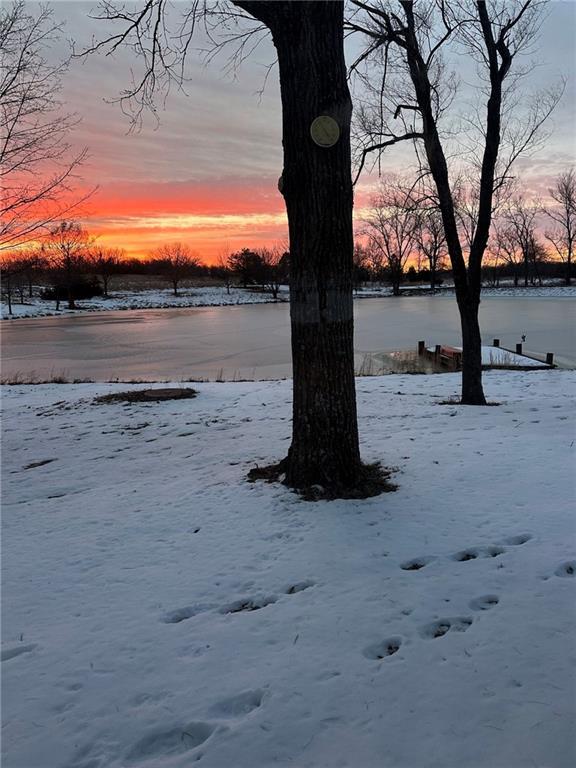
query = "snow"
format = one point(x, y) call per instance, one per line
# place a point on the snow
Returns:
point(217, 296)
point(497, 356)
point(214, 296)
point(160, 611)
point(532, 291)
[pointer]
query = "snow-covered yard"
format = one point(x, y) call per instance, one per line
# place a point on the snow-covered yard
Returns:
point(160, 611)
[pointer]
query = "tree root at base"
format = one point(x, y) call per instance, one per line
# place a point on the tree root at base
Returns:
point(371, 480)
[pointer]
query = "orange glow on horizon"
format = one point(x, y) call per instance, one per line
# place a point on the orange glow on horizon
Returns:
point(212, 218)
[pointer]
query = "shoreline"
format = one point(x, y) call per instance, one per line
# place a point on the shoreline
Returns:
point(198, 298)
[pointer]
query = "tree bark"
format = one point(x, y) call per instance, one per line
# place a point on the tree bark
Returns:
point(472, 390)
point(317, 188)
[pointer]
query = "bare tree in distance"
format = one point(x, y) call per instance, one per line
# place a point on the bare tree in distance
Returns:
point(563, 218)
point(430, 238)
point(361, 262)
point(38, 165)
point(12, 277)
point(521, 219)
point(324, 456)
point(65, 250)
point(391, 227)
point(275, 269)
point(177, 263)
point(492, 262)
point(411, 95)
point(224, 268)
point(372, 259)
point(503, 247)
point(104, 263)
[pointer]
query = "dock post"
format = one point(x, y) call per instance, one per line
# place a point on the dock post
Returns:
point(437, 349)
point(496, 343)
point(519, 348)
point(421, 347)
point(549, 358)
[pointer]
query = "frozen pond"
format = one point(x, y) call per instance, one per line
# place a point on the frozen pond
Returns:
point(253, 341)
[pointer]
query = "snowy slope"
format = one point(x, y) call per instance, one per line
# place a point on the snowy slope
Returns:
point(133, 557)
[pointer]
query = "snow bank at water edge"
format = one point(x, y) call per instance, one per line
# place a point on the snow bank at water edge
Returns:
point(218, 297)
point(157, 299)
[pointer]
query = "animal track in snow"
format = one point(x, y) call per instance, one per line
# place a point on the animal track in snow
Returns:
point(465, 555)
point(182, 614)
point(299, 587)
point(475, 552)
point(162, 744)
point(242, 605)
point(443, 626)
point(238, 706)
point(249, 604)
point(484, 603)
point(566, 569)
point(516, 541)
point(416, 563)
point(383, 649)
point(18, 650)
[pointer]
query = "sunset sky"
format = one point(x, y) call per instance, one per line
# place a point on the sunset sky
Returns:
point(207, 175)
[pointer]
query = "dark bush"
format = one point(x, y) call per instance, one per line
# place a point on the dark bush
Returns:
point(82, 289)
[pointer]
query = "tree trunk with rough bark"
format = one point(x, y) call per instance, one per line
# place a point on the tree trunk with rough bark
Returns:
point(472, 390)
point(317, 187)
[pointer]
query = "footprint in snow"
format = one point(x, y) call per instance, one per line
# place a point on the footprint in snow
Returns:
point(161, 744)
point(484, 603)
point(516, 541)
point(182, 614)
point(18, 650)
point(299, 587)
point(383, 649)
point(476, 552)
point(443, 626)
point(239, 705)
point(566, 570)
point(249, 604)
point(416, 563)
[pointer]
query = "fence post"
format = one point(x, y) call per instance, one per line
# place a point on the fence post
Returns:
point(421, 347)
point(549, 358)
point(519, 348)
point(496, 343)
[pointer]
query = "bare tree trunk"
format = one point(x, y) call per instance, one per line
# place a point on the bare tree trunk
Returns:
point(317, 188)
point(8, 288)
point(472, 391)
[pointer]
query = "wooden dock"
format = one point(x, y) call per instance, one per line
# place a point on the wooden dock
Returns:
point(494, 357)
